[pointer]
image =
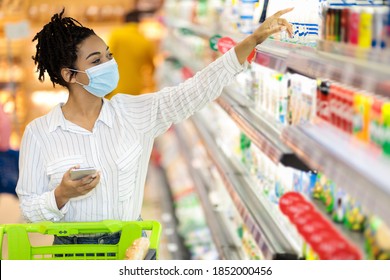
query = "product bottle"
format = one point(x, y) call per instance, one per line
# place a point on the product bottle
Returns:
point(376, 122)
point(353, 30)
point(344, 23)
point(362, 115)
point(379, 28)
point(365, 28)
point(322, 108)
point(386, 128)
point(246, 12)
point(337, 25)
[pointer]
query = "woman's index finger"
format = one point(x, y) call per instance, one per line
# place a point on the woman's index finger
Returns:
point(282, 12)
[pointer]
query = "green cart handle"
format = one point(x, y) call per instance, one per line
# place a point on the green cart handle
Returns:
point(18, 238)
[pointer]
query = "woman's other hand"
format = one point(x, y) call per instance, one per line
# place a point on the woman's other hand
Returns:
point(69, 188)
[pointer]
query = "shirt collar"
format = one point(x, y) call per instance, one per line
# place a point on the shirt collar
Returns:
point(56, 117)
point(107, 113)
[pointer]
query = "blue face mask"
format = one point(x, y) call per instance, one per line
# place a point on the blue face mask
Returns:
point(103, 78)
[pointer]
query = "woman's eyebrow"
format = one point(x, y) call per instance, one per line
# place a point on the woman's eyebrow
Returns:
point(95, 53)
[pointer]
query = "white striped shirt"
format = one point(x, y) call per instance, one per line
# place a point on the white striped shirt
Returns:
point(119, 146)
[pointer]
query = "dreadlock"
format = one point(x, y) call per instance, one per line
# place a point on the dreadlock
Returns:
point(57, 46)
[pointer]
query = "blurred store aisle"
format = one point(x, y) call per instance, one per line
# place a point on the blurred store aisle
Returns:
point(152, 209)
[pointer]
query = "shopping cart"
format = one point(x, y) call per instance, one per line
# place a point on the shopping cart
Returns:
point(20, 248)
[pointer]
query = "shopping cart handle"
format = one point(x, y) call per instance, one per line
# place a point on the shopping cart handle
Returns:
point(65, 229)
point(113, 225)
point(20, 248)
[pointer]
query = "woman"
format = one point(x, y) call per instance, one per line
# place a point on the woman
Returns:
point(114, 136)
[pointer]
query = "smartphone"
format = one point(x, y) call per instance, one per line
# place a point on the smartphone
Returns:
point(76, 174)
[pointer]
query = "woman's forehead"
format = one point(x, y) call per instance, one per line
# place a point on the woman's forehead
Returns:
point(92, 44)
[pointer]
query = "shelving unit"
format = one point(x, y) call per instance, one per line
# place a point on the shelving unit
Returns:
point(354, 166)
point(358, 168)
point(282, 56)
point(369, 76)
point(346, 50)
point(175, 244)
point(263, 227)
point(263, 131)
point(275, 54)
point(227, 247)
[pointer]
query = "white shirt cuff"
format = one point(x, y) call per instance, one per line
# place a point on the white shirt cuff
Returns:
point(58, 214)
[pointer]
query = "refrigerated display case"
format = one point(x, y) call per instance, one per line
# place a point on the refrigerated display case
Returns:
point(342, 174)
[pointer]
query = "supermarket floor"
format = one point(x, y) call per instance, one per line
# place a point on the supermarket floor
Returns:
point(10, 213)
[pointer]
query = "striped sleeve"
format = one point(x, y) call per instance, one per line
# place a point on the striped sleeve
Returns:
point(153, 114)
point(37, 204)
point(175, 104)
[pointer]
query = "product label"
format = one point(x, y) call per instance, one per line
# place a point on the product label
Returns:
point(224, 44)
point(214, 42)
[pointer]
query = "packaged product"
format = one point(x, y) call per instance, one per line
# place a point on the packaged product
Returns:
point(138, 250)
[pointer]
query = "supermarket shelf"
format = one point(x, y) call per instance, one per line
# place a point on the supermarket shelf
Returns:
point(267, 234)
point(360, 68)
point(354, 166)
point(224, 242)
point(192, 63)
point(271, 61)
point(365, 69)
point(191, 27)
point(264, 132)
point(201, 30)
point(347, 50)
point(270, 53)
point(364, 75)
point(274, 54)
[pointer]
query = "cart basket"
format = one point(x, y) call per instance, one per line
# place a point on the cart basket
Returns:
point(20, 248)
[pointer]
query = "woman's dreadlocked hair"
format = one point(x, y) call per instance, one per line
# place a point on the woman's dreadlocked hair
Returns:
point(57, 46)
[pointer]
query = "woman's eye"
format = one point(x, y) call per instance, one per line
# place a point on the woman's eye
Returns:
point(110, 55)
point(96, 61)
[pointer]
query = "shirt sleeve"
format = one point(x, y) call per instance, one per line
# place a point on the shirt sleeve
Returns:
point(36, 201)
point(153, 114)
point(175, 104)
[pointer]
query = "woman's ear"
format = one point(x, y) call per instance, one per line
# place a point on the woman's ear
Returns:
point(66, 74)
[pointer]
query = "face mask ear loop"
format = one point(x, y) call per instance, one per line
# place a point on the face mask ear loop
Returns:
point(80, 84)
point(78, 71)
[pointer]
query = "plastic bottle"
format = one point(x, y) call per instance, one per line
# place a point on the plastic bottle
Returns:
point(354, 22)
point(376, 122)
point(246, 12)
point(323, 108)
point(379, 28)
point(362, 113)
point(386, 128)
point(365, 28)
point(339, 206)
point(230, 17)
point(344, 25)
